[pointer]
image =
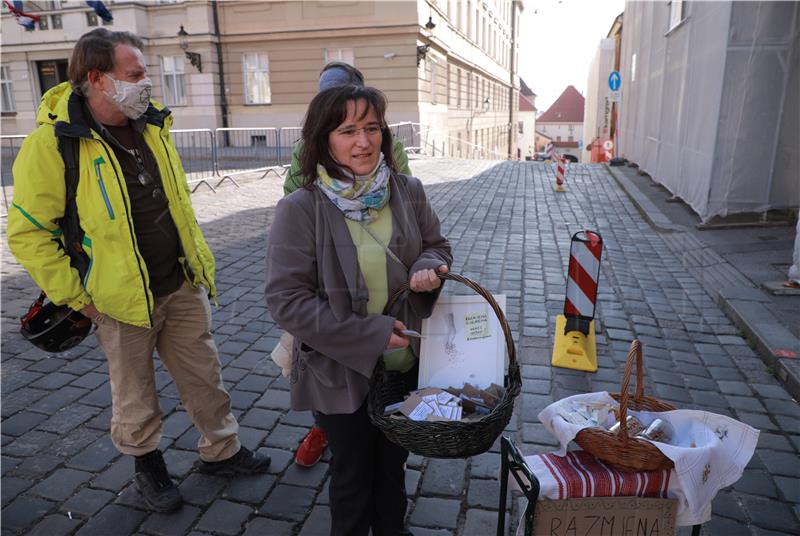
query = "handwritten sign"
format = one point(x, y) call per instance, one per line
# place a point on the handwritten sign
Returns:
point(462, 343)
point(476, 326)
point(606, 516)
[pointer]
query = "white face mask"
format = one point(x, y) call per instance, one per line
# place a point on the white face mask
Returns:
point(131, 99)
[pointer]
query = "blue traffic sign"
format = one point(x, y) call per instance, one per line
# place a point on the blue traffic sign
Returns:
point(614, 80)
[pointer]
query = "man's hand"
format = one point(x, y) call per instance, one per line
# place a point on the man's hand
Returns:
point(91, 312)
point(427, 280)
point(397, 340)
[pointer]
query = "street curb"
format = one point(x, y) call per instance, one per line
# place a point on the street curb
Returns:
point(767, 333)
point(647, 208)
point(744, 307)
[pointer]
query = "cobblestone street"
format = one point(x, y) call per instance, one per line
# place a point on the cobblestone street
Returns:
point(511, 233)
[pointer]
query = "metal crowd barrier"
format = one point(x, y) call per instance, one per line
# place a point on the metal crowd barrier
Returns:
point(9, 147)
point(247, 150)
point(197, 150)
point(287, 138)
point(211, 157)
point(408, 133)
point(420, 139)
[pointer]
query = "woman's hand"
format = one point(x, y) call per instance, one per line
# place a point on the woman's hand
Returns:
point(427, 280)
point(397, 340)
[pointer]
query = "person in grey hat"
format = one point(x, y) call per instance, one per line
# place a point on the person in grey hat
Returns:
point(338, 73)
point(334, 74)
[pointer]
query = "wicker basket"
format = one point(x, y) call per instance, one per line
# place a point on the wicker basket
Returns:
point(623, 452)
point(452, 439)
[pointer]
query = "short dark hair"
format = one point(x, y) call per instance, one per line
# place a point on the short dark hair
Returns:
point(352, 71)
point(95, 50)
point(325, 113)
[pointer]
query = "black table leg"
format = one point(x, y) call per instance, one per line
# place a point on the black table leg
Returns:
point(513, 462)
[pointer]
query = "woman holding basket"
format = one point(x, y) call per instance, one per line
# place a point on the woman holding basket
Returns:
point(336, 250)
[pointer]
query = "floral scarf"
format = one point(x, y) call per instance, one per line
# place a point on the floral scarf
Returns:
point(362, 199)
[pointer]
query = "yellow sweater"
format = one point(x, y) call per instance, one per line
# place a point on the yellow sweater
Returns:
point(372, 262)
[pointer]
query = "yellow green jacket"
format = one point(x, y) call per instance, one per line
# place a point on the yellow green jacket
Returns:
point(116, 282)
point(294, 180)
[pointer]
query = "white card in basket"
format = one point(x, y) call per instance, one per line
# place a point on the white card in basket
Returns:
point(462, 343)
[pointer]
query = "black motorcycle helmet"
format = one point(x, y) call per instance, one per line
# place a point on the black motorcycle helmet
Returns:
point(54, 328)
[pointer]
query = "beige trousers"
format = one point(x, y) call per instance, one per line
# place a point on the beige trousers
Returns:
point(181, 333)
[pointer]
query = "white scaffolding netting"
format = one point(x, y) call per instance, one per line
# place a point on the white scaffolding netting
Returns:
point(710, 106)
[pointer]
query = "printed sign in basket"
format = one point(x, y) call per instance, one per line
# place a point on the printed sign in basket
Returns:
point(462, 342)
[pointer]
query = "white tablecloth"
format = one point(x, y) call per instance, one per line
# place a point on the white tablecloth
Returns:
point(722, 449)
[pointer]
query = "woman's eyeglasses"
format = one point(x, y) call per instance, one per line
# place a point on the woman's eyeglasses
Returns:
point(348, 132)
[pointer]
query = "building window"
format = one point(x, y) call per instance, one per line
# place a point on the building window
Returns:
point(55, 21)
point(558, 138)
point(469, 89)
point(345, 55)
point(43, 24)
point(572, 128)
point(51, 73)
point(569, 138)
point(434, 80)
point(172, 79)
point(8, 90)
point(675, 13)
point(91, 18)
point(468, 26)
point(458, 87)
point(55, 5)
point(521, 127)
point(256, 79)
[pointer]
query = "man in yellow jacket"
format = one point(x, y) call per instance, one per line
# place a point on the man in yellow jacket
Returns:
point(150, 272)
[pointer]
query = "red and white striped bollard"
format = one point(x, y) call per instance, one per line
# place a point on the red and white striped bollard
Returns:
point(575, 345)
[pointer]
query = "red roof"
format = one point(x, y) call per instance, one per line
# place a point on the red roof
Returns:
point(525, 105)
point(568, 108)
point(566, 144)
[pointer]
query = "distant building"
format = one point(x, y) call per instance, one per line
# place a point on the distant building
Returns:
point(711, 100)
point(527, 122)
point(599, 116)
point(541, 141)
point(449, 66)
point(563, 123)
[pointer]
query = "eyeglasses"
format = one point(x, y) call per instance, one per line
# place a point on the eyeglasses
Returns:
point(349, 132)
point(145, 179)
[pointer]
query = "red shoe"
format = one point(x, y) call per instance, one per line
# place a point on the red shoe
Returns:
point(312, 447)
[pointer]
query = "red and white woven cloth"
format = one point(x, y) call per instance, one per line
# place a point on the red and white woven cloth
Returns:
point(579, 474)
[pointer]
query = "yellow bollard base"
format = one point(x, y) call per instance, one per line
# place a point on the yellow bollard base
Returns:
point(558, 188)
point(574, 350)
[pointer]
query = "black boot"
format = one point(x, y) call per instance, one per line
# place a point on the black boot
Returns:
point(244, 462)
point(155, 485)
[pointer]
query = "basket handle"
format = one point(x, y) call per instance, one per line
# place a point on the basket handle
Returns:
point(512, 355)
point(635, 353)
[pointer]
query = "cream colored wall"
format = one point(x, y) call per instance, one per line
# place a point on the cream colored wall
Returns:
point(554, 130)
point(527, 140)
point(472, 61)
point(597, 110)
point(383, 35)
